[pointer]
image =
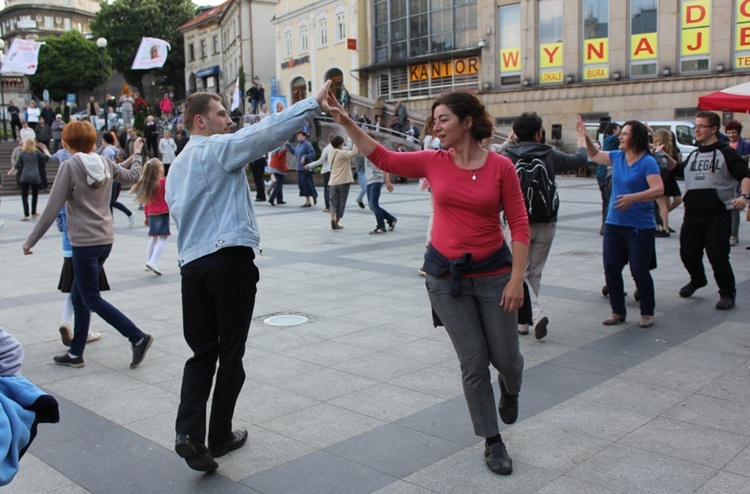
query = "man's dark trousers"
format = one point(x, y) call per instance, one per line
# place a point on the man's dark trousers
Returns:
point(218, 297)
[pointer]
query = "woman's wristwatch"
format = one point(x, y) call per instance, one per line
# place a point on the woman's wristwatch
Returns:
point(746, 196)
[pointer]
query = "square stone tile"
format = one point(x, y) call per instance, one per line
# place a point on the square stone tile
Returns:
point(267, 402)
point(319, 473)
point(713, 413)
point(732, 386)
point(688, 442)
point(466, 471)
point(448, 420)
point(386, 402)
point(379, 366)
point(437, 381)
point(741, 464)
point(325, 384)
point(641, 397)
point(540, 445)
point(402, 487)
point(35, 475)
point(275, 368)
point(425, 350)
point(628, 469)
point(725, 482)
point(322, 425)
point(566, 485)
point(132, 405)
point(327, 353)
point(395, 450)
point(375, 339)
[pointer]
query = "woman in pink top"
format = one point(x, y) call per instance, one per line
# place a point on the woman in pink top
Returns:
point(474, 280)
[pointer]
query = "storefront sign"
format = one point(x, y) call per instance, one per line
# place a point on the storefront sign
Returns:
point(444, 68)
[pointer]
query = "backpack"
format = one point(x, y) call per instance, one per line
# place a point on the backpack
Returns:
point(539, 191)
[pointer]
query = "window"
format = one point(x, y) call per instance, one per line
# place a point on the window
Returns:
point(66, 24)
point(643, 38)
point(204, 50)
point(216, 45)
point(49, 22)
point(509, 23)
point(322, 32)
point(303, 44)
point(191, 52)
point(340, 27)
point(288, 44)
point(595, 22)
point(550, 41)
point(695, 34)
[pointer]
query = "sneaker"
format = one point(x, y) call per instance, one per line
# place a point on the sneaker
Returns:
point(392, 224)
point(540, 328)
point(139, 351)
point(153, 268)
point(378, 230)
point(66, 333)
point(725, 303)
point(131, 220)
point(326, 210)
point(26, 218)
point(689, 289)
point(497, 459)
point(734, 241)
point(93, 337)
point(66, 359)
point(36, 215)
point(421, 271)
point(523, 329)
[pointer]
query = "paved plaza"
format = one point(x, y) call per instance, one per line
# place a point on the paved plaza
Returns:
point(366, 396)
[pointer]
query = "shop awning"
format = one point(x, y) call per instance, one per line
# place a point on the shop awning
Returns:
point(208, 71)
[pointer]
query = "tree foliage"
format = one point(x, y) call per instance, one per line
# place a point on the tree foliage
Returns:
point(124, 22)
point(68, 64)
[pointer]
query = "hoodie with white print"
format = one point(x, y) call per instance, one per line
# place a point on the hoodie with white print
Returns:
point(84, 185)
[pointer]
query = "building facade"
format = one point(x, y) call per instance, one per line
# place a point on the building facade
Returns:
point(223, 41)
point(318, 41)
point(618, 59)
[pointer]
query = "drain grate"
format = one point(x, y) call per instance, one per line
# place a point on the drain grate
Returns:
point(286, 320)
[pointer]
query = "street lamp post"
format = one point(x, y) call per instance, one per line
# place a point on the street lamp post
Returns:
point(102, 43)
point(2, 94)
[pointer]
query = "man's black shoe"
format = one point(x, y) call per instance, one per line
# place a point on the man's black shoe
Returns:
point(725, 303)
point(237, 440)
point(139, 350)
point(497, 459)
point(508, 406)
point(689, 289)
point(195, 453)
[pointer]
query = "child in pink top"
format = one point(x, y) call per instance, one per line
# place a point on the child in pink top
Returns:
point(149, 191)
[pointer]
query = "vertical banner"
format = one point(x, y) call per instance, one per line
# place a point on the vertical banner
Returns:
point(742, 35)
point(596, 59)
point(696, 26)
point(236, 98)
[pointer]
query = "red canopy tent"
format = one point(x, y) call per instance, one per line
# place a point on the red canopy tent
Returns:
point(735, 99)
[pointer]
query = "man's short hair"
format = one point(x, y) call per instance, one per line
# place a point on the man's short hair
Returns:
point(713, 118)
point(197, 104)
point(527, 125)
point(108, 138)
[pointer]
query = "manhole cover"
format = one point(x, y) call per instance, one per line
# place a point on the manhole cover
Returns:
point(285, 320)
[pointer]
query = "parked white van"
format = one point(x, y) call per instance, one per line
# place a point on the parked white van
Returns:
point(684, 131)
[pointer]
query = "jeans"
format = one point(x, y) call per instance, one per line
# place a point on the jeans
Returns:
point(114, 203)
point(712, 234)
point(635, 246)
point(362, 179)
point(482, 334)
point(85, 296)
point(540, 243)
point(25, 197)
point(277, 192)
point(373, 200)
point(217, 307)
point(258, 171)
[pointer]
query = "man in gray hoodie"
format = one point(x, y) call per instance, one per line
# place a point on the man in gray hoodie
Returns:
point(529, 132)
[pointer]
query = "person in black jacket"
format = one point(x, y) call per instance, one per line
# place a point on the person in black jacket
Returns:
point(151, 133)
point(711, 175)
point(15, 118)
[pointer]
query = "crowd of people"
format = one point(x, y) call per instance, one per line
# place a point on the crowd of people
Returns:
point(492, 224)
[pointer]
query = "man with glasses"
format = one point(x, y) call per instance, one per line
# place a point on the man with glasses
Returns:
point(711, 175)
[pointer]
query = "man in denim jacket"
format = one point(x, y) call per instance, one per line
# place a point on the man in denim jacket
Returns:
point(210, 201)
